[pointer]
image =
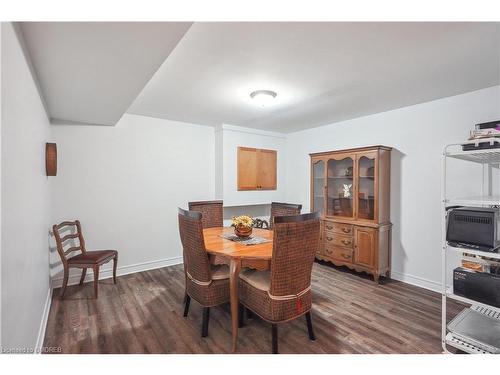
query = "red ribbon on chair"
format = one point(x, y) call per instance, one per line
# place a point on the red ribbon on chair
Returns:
point(298, 305)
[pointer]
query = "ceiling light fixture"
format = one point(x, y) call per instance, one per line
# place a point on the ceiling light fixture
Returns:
point(263, 98)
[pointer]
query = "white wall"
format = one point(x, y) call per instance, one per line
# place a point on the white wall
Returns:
point(417, 134)
point(124, 183)
point(25, 200)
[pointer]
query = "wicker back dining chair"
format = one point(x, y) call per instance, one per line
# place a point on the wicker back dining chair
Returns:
point(283, 209)
point(212, 212)
point(85, 259)
point(205, 283)
point(284, 292)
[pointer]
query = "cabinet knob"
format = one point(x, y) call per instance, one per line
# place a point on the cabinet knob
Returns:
point(345, 256)
point(329, 227)
point(346, 242)
point(329, 238)
point(346, 230)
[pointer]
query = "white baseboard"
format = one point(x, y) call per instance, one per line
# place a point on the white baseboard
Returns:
point(106, 271)
point(43, 322)
point(417, 281)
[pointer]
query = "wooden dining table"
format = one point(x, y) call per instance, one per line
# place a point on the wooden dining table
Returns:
point(237, 255)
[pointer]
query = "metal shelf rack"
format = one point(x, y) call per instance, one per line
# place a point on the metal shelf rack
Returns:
point(491, 309)
point(474, 252)
point(487, 159)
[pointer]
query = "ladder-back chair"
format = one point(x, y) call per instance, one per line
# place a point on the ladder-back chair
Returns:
point(85, 259)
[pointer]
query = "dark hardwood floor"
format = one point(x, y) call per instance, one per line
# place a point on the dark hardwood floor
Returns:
point(143, 314)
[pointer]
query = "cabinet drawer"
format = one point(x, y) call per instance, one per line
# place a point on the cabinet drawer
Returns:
point(338, 253)
point(346, 229)
point(335, 239)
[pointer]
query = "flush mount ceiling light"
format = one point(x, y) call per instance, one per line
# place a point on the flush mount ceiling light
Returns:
point(263, 98)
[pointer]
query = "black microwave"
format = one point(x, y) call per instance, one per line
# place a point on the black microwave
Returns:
point(473, 228)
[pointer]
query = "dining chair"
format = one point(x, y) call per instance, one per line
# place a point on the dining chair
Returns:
point(212, 215)
point(212, 212)
point(283, 293)
point(205, 283)
point(85, 259)
point(283, 209)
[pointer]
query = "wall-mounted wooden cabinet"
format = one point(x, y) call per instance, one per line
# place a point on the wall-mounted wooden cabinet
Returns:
point(350, 188)
point(256, 169)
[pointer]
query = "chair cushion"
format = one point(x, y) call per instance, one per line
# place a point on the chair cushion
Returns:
point(258, 279)
point(219, 272)
point(93, 257)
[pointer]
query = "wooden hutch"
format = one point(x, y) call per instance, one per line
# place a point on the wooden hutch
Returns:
point(350, 188)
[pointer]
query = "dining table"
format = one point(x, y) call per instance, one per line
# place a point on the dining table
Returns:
point(237, 255)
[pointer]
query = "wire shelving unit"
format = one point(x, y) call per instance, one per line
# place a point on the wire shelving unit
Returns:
point(487, 159)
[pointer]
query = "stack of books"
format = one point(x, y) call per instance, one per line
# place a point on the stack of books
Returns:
point(486, 130)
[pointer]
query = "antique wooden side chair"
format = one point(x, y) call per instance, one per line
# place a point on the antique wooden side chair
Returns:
point(85, 259)
point(283, 209)
point(205, 283)
point(284, 292)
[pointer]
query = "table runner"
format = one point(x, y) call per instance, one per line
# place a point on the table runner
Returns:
point(245, 240)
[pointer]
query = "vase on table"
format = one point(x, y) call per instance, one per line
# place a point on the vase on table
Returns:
point(242, 231)
point(242, 225)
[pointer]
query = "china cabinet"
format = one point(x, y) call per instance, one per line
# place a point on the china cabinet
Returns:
point(350, 189)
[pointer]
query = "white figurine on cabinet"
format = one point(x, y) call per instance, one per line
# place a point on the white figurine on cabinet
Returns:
point(347, 190)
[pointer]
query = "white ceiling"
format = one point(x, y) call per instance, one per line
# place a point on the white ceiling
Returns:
point(323, 72)
point(90, 72)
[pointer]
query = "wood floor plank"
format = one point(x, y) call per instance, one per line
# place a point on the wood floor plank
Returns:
point(143, 314)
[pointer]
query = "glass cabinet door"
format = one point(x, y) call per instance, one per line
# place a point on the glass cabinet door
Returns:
point(366, 187)
point(318, 202)
point(340, 187)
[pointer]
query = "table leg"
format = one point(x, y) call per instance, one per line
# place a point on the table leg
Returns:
point(234, 271)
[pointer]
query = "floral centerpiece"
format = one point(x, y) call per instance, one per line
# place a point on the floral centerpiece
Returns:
point(242, 225)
